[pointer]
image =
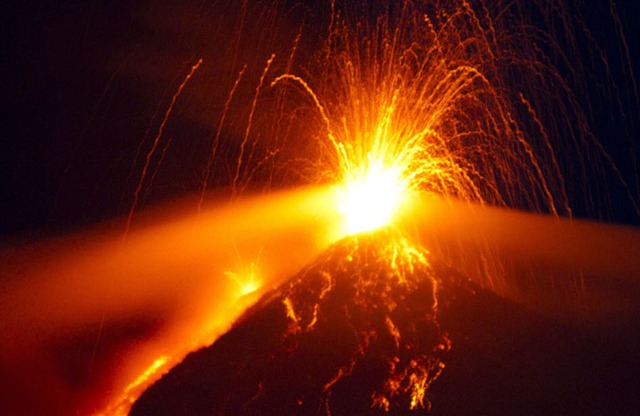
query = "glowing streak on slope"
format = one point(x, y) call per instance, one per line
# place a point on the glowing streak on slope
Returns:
point(133, 390)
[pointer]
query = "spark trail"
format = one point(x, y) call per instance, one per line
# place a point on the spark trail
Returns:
point(454, 99)
point(419, 101)
point(421, 98)
point(156, 141)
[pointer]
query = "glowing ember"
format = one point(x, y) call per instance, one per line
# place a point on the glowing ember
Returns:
point(247, 281)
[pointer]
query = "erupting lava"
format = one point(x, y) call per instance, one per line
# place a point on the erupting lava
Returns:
point(417, 99)
point(421, 98)
point(371, 199)
point(411, 101)
point(398, 100)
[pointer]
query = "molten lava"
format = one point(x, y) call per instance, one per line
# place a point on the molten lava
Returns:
point(401, 97)
point(371, 199)
point(412, 100)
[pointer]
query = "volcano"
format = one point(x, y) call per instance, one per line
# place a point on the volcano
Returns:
point(376, 326)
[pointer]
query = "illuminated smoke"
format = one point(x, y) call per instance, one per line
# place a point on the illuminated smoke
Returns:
point(183, 276)
point(458, 99)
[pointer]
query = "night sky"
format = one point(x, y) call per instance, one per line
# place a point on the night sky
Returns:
point(82, 82)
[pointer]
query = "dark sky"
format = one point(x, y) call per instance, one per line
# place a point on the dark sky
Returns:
point(82, 80)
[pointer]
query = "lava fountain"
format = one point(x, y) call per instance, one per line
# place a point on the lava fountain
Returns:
point(402, 106)
point(416, 100)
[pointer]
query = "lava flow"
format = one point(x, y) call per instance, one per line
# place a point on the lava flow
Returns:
point(354, 330)
point(417, 127)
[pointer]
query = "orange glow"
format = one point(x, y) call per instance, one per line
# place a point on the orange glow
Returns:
point(417, 103)
point(371, 199)
point(132, 391)
point(404, 105)
point(247, 280)
point(557, 246)
point(190, 275)
point(414, 102)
